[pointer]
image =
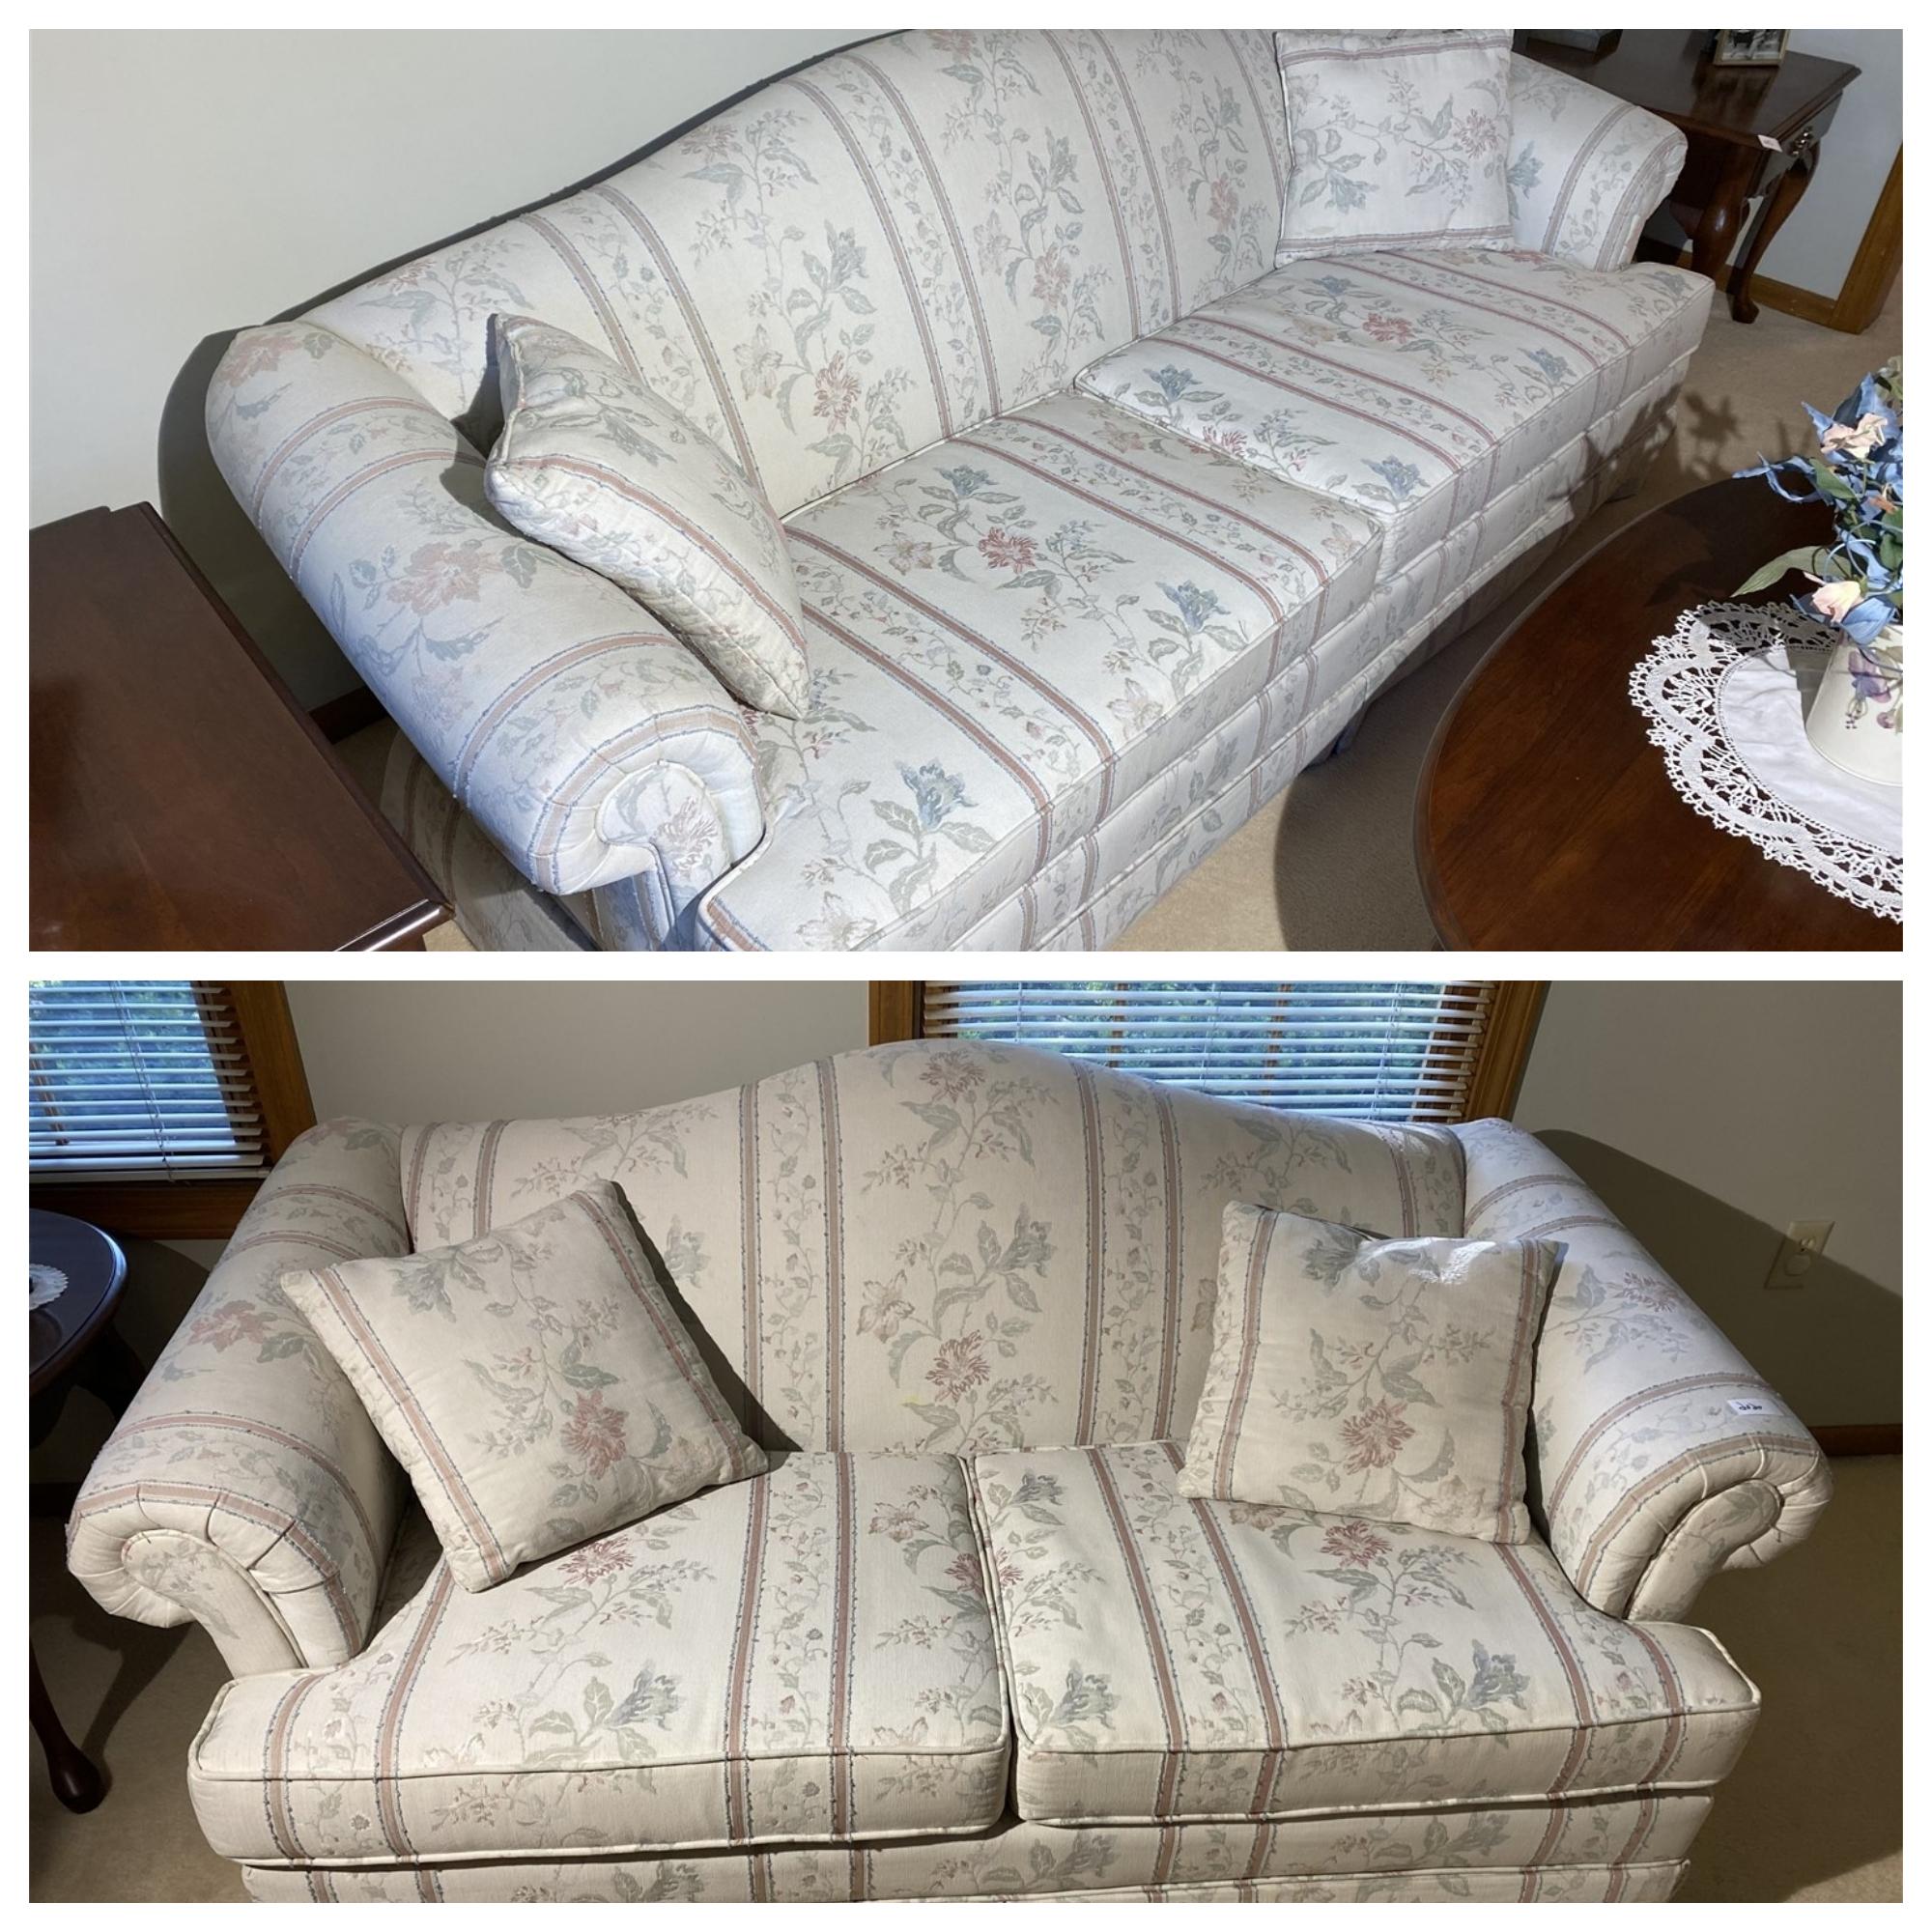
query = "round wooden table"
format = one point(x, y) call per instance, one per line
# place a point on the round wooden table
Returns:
point(1544, 818)
point(73, 1340)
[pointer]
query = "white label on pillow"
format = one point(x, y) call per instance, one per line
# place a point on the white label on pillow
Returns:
point(1751, 1404)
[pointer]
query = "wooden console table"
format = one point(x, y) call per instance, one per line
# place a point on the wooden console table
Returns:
point(1752, 130)
point(181, 799)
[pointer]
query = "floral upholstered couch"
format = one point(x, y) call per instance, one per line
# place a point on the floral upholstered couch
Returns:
point(965, 1639)
point(1104, 526)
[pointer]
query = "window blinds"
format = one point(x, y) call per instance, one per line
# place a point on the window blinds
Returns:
point(138, 1080)
point(1378, 1050)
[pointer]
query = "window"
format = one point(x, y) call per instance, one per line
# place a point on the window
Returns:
point(156, 1106)
point(1378, 1050)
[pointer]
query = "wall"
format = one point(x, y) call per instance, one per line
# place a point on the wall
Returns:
point(452, 1050)
point(1711, 1115)
point(1815, 246)
point(184, 184)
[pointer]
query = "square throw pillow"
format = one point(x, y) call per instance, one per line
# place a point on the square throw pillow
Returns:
point(535, 1382)
point(1388, 1380)
point(1396, 140)
point(594, 464)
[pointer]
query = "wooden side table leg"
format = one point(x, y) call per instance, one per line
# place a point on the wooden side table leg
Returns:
point(1717, 231)
point(1776, 212)
point(76, 1784)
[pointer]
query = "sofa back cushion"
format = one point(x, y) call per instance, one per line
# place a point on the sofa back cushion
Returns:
point(945, 1246)
point(883, 249)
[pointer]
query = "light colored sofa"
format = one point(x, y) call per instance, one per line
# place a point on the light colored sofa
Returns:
point(1105, 527)
point(961, 1293)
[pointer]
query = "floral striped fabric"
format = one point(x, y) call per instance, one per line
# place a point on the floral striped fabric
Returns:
point(1661, 1455)
point(535, 1381)
point(1607, 1849)
point(543, 696)
point(1011, 632)
point(595, 465)
point(1382, 1380)
point(1396, 140)
point(1587, 170)
point(879, 251)
point(1101, 881)
point(1569, 1885)
point(245, 1487)
point(1417, 387)
point(918, 1263)
point(1172, 1659)
point(940, 1246)
point(803, 1658)
point(896, 251)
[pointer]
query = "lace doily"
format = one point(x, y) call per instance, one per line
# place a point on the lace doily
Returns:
point(1724, 694)
point(44, 1283)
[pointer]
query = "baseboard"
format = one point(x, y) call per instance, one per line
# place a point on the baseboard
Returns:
point(1863, 1438)
point(340, 717)
point(1786, 297)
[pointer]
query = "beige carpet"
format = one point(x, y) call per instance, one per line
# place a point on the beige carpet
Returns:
point(1814, 1811)
point(1328, 864)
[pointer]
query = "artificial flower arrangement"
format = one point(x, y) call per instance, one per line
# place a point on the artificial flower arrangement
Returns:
point(1859, 579)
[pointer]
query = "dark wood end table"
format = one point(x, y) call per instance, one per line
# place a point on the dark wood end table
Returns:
point(1754, 131)
point(1544, 818)
point(181, 798)
point(72, 1340)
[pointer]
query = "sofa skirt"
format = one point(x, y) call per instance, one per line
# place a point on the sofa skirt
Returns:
point(1631, 1848)
point(1092, 891)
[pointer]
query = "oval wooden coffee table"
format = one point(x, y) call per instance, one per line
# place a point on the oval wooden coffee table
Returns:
point(1544, 818)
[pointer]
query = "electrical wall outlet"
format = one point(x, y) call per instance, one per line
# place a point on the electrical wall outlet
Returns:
point(1798, 1254)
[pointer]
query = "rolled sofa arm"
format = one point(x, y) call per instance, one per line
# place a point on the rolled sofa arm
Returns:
point(1660, 1457)
point(246, 1488)
point(1587, 170)
point(551, 704)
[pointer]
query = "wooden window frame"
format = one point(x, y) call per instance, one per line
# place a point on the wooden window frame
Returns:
point(897, 1008)
point(192, 1211)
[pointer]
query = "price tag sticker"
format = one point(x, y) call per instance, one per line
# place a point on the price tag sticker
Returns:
point(1752, 1405)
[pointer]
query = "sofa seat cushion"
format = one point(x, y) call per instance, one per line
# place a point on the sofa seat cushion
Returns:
point(1174, 1660)
point(1009, 633)
point(804, 1656)
point(1417, 386)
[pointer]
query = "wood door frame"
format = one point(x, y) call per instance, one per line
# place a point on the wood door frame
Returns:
point(190, 1210)
point(898, 1009)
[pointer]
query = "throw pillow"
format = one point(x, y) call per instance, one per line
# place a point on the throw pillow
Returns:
point(1388, 1380)
point(594, 464)
point(535, 1381)
point(1396, 140)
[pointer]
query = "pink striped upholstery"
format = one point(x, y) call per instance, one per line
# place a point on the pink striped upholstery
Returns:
point(1182, 585)
point(1176, 1660)
point(902, 248)
point(942, 1247)
point(1652, 1476)
point(918, 1273)
point(1567, 1851)
point(993, 207)
point(801, 1658)
point(534, 1380)
point(248, 1443)
point(1419, 386)
point(594, 464)
point(1388, 1380)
